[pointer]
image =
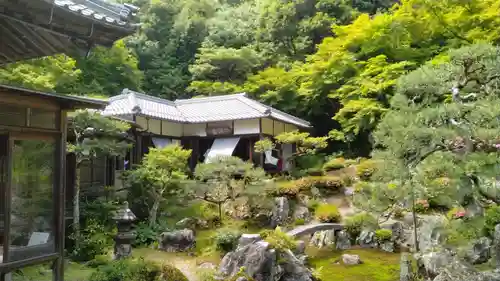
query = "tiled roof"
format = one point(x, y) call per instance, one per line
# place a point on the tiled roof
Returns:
point(101, 10)
point(197, 110)
point(36, 28)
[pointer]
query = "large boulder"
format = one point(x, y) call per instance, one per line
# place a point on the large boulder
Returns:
point(430, 264)
point(280, 211)
point(177, 241)
point(262, 263)
point(301, 213)
point(343, 241)
point(457, 270)
point(480, 251)
point(367, 239)
point(432, 233)
point(323, 238)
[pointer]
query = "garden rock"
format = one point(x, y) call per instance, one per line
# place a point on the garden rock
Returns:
point(480, 251)
point(367, 239)
point(351, 259)
point(431, 233)
point(406, 269)
point(191, 223)
point(301, 213)
point(323, 238)
point(430, 264)
point(177, 241)
point(246, 239)
point(343, 241)
point(387, 246)
point(457, 270)
point(280, 211)
point(207, 265)
point(261, 264)
point(496, 245)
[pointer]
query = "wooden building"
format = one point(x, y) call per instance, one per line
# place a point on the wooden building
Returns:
point(32, 186)
point(33, 124)
point(219, 125)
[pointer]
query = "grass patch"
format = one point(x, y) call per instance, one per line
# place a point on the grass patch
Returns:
point(72, 272)
point(377, 265)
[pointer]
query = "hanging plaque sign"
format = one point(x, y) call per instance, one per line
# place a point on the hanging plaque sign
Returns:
point(219, 128)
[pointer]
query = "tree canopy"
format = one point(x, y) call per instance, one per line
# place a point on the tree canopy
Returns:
point(335, 63)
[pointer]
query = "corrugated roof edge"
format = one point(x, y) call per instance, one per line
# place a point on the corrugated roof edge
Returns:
point(211, 98)
point(92, 103)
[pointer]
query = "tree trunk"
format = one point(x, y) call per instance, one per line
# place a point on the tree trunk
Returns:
point(154, 212)
point(76, 207)
point(220, 212)
point(415, 225)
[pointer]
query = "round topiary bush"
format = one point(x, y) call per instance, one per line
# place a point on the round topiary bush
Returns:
point(383, 235)
point(327, 213)
point(171, 273)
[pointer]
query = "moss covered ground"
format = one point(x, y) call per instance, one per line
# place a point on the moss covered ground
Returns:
point(377, 265)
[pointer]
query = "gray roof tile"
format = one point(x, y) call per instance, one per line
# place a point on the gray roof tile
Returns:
point(102, 10)
point(197, 110)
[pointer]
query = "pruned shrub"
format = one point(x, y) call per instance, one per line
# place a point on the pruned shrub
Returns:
point(278, 239)
point(334, 164)
point(94, 240)
point(226, 239)
point(382, 235)
point(365, 169)
point(137, 270)
point(327, 213)
point(357, 223)
point(285, 188)
point(170, 273)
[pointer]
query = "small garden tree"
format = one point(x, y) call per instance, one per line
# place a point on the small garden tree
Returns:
point(162, 174)
point(304, 144)
point(227, 178)
point(439, 142)
point(95, 136)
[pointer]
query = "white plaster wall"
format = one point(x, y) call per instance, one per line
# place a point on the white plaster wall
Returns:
point(250, 126)
point(279, 127)
point(154, 126)
point(195, 130)
point(171, 129)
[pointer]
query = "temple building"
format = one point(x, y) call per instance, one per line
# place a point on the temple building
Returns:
point(33, 125)
point(209, 126)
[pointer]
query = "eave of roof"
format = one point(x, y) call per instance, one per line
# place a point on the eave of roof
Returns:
point(192, 111)
point(71, 102)
point(36, 28)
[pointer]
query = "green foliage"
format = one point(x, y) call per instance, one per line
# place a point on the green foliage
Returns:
point(99, 260)
point(147, 235)
point(299, 221)
point(366, 168)
point(327, 213)
point(304, 143)
point(334, 164)
point(94, 240)
point(137, 270)
point(455, 213)
point(228, 178)
point(359, 222)
point(492, 218)
point(278, 239)
point(161, 176)
point(462, 232)
point(382, 235)
point(226, 240)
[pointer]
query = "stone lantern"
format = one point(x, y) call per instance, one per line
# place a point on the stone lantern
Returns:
point(125, 236)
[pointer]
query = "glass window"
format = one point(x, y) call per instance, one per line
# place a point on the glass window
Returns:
point(42, 272)
point(32, 204)
point(12, 115)
point(40, 118)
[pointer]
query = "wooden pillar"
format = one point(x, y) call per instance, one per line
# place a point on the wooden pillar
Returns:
point(60, 198)
point(250, 150)
point(195, 151)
